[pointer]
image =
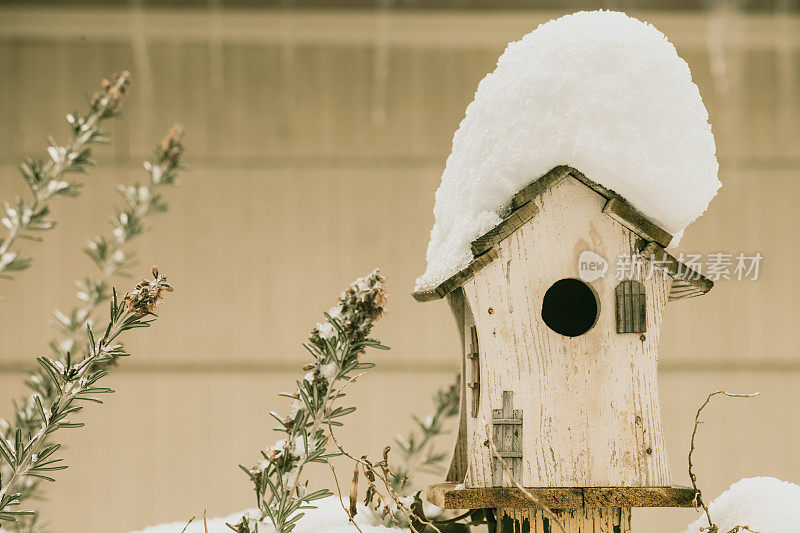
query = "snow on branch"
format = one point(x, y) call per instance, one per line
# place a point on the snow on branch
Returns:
point(47, 180)
point(112, 257)
point(26, 455)
point(336, 346)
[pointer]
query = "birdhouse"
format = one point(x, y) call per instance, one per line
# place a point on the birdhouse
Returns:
point(559, 359)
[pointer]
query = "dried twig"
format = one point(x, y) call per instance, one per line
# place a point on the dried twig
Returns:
point(380, 470)
point(350, 513)
point(712, 528)
point(533, 499)
point(354, 493)
point(187, 525)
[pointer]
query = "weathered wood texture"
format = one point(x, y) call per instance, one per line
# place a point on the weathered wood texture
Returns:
point(474, 371)
point(624, 213)
point(517, 218)
point(455, 496)
point(539, 186)
point(590, 403)
point(458, 463)
point(631, 304)
point(608, 520)
point(507, 435)
point(457, 279)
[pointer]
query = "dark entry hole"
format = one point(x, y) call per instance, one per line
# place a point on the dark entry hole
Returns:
point(569, 307)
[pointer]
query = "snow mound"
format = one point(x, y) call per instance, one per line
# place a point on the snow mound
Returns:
point(328, 517)
point(764, 504)
point(599, 91)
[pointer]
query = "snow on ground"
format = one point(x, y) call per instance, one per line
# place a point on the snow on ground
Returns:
point(764, 504)
point(329, 517)
point(599, 91)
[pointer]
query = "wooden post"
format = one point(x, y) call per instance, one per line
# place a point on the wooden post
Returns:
point(603, 520)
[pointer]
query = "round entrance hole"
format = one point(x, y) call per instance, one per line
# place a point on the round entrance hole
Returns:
point(570, 307)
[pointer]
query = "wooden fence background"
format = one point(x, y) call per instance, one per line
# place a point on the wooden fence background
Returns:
point(316, 141)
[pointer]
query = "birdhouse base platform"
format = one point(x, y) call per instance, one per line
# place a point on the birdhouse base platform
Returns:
point(454, 496)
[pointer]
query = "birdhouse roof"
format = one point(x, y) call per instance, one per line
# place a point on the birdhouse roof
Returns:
point(652, 238)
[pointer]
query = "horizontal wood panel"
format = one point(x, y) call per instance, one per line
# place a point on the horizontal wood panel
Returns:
point(349, 84)
point(256, 256)
point(168, 445)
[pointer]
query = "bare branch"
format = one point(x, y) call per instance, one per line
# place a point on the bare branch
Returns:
point(380, 469)
point(712, 528)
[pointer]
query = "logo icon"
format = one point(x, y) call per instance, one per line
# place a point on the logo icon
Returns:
point(591, 266)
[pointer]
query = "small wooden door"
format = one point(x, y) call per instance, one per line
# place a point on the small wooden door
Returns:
point(507, 426)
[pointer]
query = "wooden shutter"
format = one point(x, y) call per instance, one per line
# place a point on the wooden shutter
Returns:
point(507, 435)
point(474, 372)
point(631, 307)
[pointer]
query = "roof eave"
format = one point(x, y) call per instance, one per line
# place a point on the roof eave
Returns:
point(522, 209)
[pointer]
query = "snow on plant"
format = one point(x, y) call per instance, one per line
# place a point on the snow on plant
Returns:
point(47, 180)
point(111, 254)
point(335, 346)
point(112, 257)
point(763, 504)
point(327, 517)
point(402, 511)
point(369, 515)
point(31, 453)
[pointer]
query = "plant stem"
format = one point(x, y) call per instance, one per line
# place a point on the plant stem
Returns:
point(72, 156)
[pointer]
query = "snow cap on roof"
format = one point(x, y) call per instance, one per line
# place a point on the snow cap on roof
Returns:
point(599, 91)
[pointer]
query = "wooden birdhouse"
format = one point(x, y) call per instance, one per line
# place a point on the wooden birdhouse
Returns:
point(559, 360)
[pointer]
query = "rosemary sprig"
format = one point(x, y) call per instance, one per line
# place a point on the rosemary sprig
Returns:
point(32, 454)
point(111, 257)
point(24, 219)
point(109, 254)
point(416, 449)
point(335, 345)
